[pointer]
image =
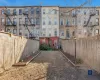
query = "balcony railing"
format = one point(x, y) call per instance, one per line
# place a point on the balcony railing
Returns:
point(92, 13)
point(11, 13)
point(25, 13)
point(9, 23)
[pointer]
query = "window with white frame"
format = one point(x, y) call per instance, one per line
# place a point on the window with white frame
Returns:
point(20, 12)
point(97, 31)
point(49, 22)
point(61, 22)
point(37, 10)
point(97, 12)
point(55, 11)
point(14, 11)
point(2, 21)
point(97, 21)
point(43, 11)
point(26, 20)
point(14, 21)
point(55, 32)
point(26, 10)
point(2, 11)
point(55, 21)
point(14, 31)
point(84, 12)
point(32, 10)
point(37, 21)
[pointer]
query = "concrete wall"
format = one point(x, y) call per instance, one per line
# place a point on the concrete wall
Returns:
point(86, 49)
point(12, 48)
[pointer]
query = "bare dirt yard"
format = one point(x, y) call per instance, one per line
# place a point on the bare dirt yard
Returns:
point(49, 65)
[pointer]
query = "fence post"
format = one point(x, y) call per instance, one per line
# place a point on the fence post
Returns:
point(75, 50)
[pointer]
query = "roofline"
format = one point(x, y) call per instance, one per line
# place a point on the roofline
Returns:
point(49, 6)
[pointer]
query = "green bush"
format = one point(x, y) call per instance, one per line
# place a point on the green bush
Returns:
point(45, 47)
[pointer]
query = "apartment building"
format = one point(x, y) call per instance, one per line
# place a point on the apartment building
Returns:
point(2, 19)
point(79, 22)
point(23, 20)
point(50, 21)
point(86, 22)
point(67, 23)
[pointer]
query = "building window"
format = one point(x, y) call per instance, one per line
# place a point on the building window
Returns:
point(55, 21)
point(8, 11)
point(67, 22)
point(32, 21)
point(14, 12)
point(8, 22)
point(43, 22)
point(26, 20)
point(67, 34)
point(49, 34)
point(97, 12)
point(43, 11)
point(37, 21)
point(62, 32)
point(8, 30)
point(37, 11)
point(55, 11)
point(61, 22)
point(14, 31)
point(26, 11)
point(97, 21)
point(73, 21)
point(20, 32)
point(20, 11)
point(14, 21)
point(49, 22)
point(55, 32)
point(49, 11)
point(32, 10)
point(2, 21)
point(2, 11)
point(97, 31)
point(84, 12)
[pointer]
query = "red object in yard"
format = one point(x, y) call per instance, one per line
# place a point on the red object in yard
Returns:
point(51, 41)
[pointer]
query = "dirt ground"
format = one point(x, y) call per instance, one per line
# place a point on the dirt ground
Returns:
point(49, 65)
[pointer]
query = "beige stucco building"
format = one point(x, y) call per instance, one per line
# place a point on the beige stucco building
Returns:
point(50, 21)
point(67, 23)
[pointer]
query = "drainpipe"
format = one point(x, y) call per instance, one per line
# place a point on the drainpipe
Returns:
point(75, 50)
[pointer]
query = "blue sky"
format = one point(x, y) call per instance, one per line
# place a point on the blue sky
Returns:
point(47, 2)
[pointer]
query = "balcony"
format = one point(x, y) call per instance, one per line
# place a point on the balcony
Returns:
point(7, 13)
point(27, 24)
point(14, 23)
point(9, 23)
point(92, 13)
point(25, 13)
point(14, 13)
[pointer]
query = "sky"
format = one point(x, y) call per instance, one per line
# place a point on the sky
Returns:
point(47, 2)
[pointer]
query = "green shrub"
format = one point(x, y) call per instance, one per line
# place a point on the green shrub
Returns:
point(45, 47)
